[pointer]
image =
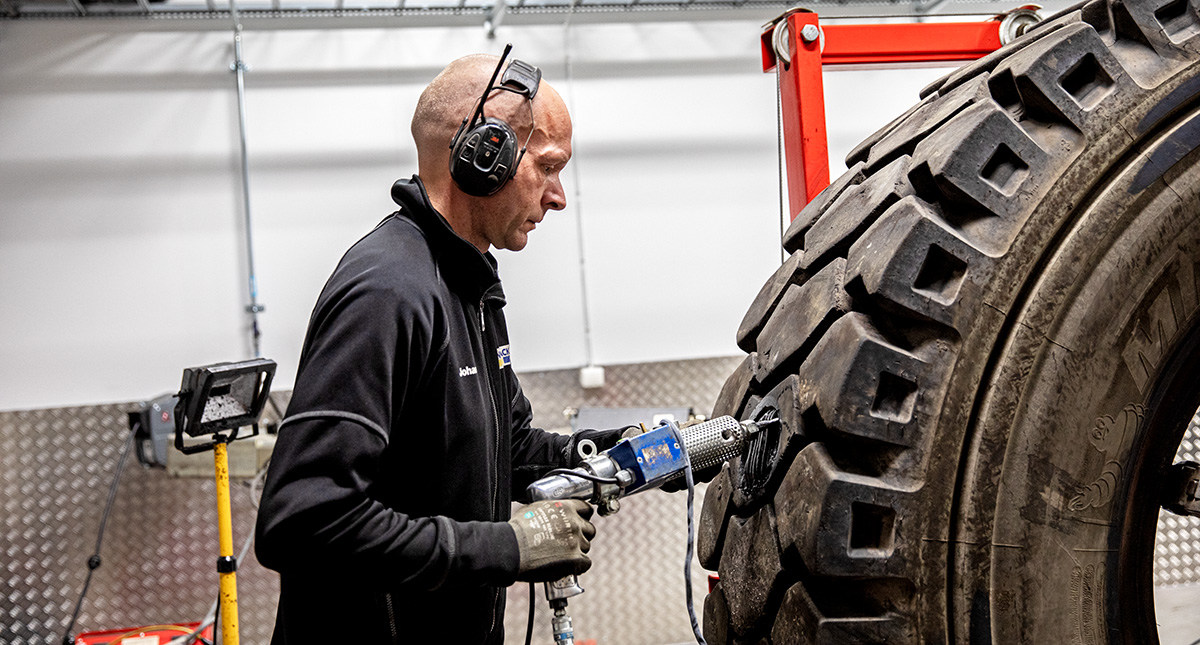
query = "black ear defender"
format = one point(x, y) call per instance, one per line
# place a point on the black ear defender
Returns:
point(483, 153)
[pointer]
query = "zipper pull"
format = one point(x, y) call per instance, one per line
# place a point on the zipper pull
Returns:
point(482, 320)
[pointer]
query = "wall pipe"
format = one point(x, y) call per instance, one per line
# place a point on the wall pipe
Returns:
point(583, 290)
point(239, 68)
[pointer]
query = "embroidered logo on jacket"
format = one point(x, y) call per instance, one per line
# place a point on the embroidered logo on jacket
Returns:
point(503, 357)
point(467, 371)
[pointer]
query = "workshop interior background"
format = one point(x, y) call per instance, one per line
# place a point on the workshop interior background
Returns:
point(123, 260)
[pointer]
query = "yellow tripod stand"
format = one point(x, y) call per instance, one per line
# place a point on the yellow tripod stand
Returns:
point(213, 399)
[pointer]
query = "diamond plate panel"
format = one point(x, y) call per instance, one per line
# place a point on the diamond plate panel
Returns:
point(1177, 546)
point(159, 549)
point(160, 546)
point(692, 383)
point(635, 589)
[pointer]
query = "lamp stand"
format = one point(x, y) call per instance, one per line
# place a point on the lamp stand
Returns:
point(227, 562)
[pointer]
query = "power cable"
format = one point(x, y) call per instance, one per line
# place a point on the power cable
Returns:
point(691, 539)
point(529, 625)
point(93, 562)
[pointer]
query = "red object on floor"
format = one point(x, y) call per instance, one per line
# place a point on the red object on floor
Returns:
point(131, 635)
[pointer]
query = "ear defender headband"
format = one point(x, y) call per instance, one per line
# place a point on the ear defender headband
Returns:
point(484, 153)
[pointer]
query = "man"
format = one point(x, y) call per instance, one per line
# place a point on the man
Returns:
point(408, 434)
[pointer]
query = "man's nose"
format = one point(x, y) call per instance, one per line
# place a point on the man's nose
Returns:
point(555, 197)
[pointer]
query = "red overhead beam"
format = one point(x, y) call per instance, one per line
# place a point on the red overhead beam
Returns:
point(809, 47)
point(909, 43)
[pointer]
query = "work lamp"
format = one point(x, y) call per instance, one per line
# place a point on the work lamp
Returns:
point(220, 397)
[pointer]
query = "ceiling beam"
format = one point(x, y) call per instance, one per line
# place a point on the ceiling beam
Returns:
point(199, 17)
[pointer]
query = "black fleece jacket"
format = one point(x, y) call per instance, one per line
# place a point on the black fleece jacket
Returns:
point(385, 507)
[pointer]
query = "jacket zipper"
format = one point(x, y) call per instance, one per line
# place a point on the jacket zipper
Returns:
point(387, 598)
point(496, 447)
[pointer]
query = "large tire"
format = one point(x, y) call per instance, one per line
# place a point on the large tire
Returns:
point(984, 350)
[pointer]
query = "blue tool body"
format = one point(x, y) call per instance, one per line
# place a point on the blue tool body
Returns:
point(651, 456)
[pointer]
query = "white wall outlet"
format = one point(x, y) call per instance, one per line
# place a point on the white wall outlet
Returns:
point(591, 377)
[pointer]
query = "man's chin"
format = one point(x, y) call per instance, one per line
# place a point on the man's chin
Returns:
point(517, 242)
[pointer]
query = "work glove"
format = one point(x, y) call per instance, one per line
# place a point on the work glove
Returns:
point(553, 537)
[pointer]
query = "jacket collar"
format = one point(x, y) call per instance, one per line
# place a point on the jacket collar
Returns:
point(462, 264)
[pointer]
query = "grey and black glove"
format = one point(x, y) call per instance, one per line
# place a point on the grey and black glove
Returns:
point(553, 537)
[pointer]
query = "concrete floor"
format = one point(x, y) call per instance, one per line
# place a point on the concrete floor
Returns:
point(1178, 612)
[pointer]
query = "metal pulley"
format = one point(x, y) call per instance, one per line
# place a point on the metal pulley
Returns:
point(780, 35)
point(1015, 23)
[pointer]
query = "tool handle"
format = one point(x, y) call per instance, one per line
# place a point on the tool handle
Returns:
point(563, 588)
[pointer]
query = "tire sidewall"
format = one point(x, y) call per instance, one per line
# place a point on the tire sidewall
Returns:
point(1064, 426)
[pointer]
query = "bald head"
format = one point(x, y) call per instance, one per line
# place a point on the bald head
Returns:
point(505, 218)
point(451, 96)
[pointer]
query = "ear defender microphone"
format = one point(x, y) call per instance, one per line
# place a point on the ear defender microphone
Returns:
point(483, 153)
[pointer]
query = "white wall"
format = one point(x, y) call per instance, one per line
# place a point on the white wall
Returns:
point(121, 238)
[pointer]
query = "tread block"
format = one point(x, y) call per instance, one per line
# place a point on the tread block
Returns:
point(710, 536)
point(800, 622)
point(1095, 13)
point(793, 237)
point(862, 151)
point(792, 398)
point(987, 170)
point(1164, 25)
point(750, 570)
point(716, 617)
point(1178, 20)
point(854, 211)
point(736, 390)
point(865, 386)
point(764, 303)
point(989, 62)
point(1063, 77)
point(803, 312)
point(841, 524)
point(927, 117)
point(915, 263)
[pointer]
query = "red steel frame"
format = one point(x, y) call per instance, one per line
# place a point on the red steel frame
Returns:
point(802, 93)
